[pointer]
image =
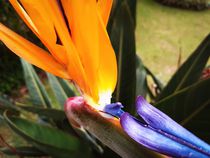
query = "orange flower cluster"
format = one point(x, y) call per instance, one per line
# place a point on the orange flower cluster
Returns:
point(78, 46)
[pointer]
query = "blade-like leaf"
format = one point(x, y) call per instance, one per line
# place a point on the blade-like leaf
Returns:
point(42, 88)
point(155, 79)
point(37, 92)
point(190, 106)
point(132, 5)
point(58, 90)
point(198, 122)
point(67, 87)
point(23, 151)
point(47, 139)
point(142, 84)
point(141, 79)
point(123, 40)
point(59, 116)
point(116, 4)
point(55, 114)
point(190, 71)
point(5, 104)
point(200, 92)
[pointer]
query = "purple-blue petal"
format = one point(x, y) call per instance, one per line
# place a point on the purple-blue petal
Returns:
point(158, 120)
point(114, 109)
point(152, 139)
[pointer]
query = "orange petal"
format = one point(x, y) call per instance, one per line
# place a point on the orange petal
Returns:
point(31, 52)
point(75, 66)
point(35, 14)
point(108, 64)
point(47, 22)
point(24, 15)
point(104, 7)
point(83, 21)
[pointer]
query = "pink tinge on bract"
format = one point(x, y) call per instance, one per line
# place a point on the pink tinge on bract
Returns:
point(73, 101)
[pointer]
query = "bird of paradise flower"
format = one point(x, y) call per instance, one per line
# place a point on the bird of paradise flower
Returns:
point(79, 49)
point(74, 33)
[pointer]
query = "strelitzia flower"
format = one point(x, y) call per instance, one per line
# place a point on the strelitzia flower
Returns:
point(159, 132)
point(78, 46)
point(79, 49)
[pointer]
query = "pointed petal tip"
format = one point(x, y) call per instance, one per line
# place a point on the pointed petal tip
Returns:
point(152, 139)
point(31, 52)
point(158, 120)
point(149, 113)
point(140, 101)
point(140, 98)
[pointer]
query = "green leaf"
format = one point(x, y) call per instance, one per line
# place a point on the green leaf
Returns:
point(47, 139)
point(42, 88)
point(190, 71)
point(55, 114)
point(181, 104)
point(190, 107)
point(141, 79)
point(123, 40)
point(23, 151)
point(5, 104)
point(55, 117)
point(58, 90)
point(67, 87)
point(59, 116)
point(37, 92)
point(6, 101)
point(198, 122)
point(155, 79)
point(116, 5)
point(132, 5)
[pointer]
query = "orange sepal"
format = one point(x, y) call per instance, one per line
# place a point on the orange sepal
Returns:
point(32, 53)
point(104, 7)
point(36, 15)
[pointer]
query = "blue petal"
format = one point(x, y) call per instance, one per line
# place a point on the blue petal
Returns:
point(158, 120)
point(152, 139)
point(114, 109)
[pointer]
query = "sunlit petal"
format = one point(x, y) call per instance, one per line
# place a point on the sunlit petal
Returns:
point(107, 71)
point(104, 7)
point(75, 34)
point(83, 21)
point(22, 13)
point(75, 66)
point(34, 14)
